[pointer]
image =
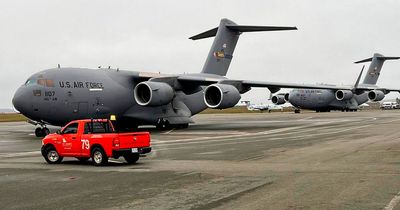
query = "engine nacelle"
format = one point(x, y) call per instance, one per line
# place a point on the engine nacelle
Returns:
point(343, 95)
point(153, 93)
point(286, 97)
point(221, 96)
point(279, 99)
point(376, 95)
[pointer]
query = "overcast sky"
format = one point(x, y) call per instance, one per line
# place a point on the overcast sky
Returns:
point(153, 36)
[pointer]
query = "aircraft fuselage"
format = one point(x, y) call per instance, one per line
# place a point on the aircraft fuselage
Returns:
point(57, 96)
point(324, 100)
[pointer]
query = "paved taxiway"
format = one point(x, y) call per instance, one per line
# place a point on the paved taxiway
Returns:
point(238, 161)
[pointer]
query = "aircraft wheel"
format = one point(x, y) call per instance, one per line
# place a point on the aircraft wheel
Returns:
point(160, 126)
point(131, 158)
point(45, 132)
point(181, 126)
point(38, 132)
point(167, 125)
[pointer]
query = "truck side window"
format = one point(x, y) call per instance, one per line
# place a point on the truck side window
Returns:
point(71, 129)
point(101, 127)
point(87, 128)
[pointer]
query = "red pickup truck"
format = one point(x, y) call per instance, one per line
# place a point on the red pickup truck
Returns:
point(96, 139)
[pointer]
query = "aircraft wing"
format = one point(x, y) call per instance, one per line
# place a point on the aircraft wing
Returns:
point(247, 84)
point(387, 90)
point(278, 85)
point(194, 81)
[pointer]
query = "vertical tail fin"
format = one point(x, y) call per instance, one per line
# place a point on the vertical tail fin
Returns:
point(226, 37)
point(375, 67)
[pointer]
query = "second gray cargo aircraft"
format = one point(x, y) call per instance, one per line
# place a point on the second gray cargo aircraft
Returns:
point(57, 96)
point(335, 98)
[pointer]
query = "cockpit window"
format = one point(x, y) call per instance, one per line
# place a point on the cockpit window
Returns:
point(30, 82)
point(49, 83)
point(41, 82)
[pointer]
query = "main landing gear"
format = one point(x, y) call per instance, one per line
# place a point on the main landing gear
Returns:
point(349, 110)
point(165, 125)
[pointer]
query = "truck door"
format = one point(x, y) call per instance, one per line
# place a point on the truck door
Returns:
point(71, 142)
point(86, 139)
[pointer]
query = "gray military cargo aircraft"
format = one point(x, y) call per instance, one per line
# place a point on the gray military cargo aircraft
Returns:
point(335, 98)
point(57, 96)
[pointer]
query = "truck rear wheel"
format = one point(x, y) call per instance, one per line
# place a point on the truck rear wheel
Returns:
point(131, 158)
point(99, 157)
point(51, 155)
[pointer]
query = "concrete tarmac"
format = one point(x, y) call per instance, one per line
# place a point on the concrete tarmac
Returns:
point(225, 161)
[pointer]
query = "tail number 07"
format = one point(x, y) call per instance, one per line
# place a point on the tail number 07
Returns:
point(85, 144)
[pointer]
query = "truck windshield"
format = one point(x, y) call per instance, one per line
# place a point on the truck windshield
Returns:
point(71, 129)
point(97, 127)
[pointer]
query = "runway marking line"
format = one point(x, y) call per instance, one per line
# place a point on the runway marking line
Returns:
point(393, 203)
point(252, 141)
point(19, 154)
point(238, 135)
point(169, 131)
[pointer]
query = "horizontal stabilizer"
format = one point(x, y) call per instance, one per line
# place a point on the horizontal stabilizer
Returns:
point(259, 28)
point(241, 28)
point(207, 34)
point(378, 57)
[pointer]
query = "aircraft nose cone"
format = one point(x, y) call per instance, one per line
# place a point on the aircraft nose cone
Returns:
point(17, 100)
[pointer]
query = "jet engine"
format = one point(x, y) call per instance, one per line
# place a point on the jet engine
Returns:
point(280, 98)
point(153, 93)
point(286, 97)
point(343, 95)
point(221, 96)
point(376, 95)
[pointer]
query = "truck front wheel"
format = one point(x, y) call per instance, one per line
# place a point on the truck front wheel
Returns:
point(99, 157)
point(131, 158)
point(51, 155)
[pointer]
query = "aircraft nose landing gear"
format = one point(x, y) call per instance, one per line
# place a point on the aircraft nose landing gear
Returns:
point(42, 132)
